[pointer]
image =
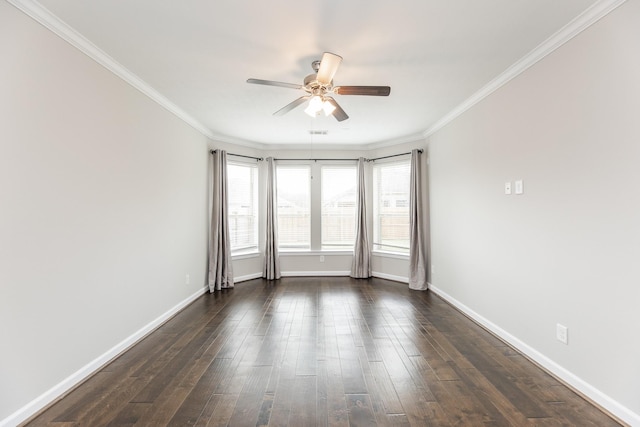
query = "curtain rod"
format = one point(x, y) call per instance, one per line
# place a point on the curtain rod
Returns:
point(315, 160)
point(368, 160)
point(242, 155)
point(393, 155)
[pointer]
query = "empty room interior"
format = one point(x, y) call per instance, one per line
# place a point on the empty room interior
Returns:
point(320, 212)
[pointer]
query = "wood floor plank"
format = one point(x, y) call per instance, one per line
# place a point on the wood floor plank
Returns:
point(387, 409)
point(528, 404)
point(250, 401)
point(79, 401)
point(113, 402)
point(208, 410)
point(385, 389)
point(303, 404)
point(202, 392)
point(307, 352)
point(337, 413)
point(352, 376)
point(490, 396)
point(360, 411)
point(223, 411)
point(284, 391)
point(328, 352)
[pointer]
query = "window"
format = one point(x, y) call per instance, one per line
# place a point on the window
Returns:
point(338, 205)
point(243, 207)
point(391, 206)
point(294, 206)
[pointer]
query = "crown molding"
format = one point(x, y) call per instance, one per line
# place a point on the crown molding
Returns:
point(407, 139)
point(583, 21)
point(43, 16)
point(225, 139)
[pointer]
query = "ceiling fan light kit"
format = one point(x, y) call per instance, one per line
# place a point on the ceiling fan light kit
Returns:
point(319, 86)
point(318, 103)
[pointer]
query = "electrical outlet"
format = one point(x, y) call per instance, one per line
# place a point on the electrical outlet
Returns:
point(321, 258)
point(507, 188)
point(562, 333)
point(187, 280)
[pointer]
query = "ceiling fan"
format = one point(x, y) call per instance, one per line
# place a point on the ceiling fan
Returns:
point(319, 86)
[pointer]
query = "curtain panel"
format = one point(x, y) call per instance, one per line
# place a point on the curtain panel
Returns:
point(417, 251)
point(271, 268)
point(361, 262)
point(220, 267)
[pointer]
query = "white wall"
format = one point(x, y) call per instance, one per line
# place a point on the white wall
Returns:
point(103, 210)
point(567, 250)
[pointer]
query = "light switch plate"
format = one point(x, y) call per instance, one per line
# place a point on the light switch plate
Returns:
point(562, 333)
point(519, 187)
point(507, 188)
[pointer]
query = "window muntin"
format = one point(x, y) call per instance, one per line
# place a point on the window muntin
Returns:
point(338, 207)
point(391, 206)
point(294, 207)
point(242, 180)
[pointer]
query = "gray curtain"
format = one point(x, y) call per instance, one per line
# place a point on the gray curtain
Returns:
point(220, 268)
point(271, 268)
point(361, 263)
point(417, 255)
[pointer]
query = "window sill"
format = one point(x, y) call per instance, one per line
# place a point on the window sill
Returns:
point(393, 255)
point(316, 252)
point(245, 255)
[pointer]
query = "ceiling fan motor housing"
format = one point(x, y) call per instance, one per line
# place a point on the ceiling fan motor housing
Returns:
point(312, 85)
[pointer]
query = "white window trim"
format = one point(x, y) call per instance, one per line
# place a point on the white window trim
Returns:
point(246, 255)
point(385, 254)
point(316, 252)
point(297, 164)
point(335, 165)
point(381, 252)
point(253, 250)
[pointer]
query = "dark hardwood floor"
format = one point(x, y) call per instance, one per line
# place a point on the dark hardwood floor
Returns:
point(321, 352)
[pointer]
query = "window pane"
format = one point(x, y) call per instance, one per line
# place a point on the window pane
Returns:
point(391, 206)
point(338, 207)
point(294, 213)
point(243, 207)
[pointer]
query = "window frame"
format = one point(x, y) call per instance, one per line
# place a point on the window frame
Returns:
point(331, 165)
point(296, 165)
point(377, 246)
point(253, 248)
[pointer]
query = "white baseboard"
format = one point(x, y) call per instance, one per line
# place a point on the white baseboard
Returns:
point(89, 369)
point(400, 279)
point(590, 392)
point(314, 273)
point(321, 274)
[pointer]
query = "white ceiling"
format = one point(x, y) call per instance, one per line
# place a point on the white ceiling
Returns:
point(434, 54)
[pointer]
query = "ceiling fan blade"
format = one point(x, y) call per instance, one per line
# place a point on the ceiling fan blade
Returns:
point(284, 110)
point(363, 90)
point(338, 113)
point(272, 83)
point(328, 67)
